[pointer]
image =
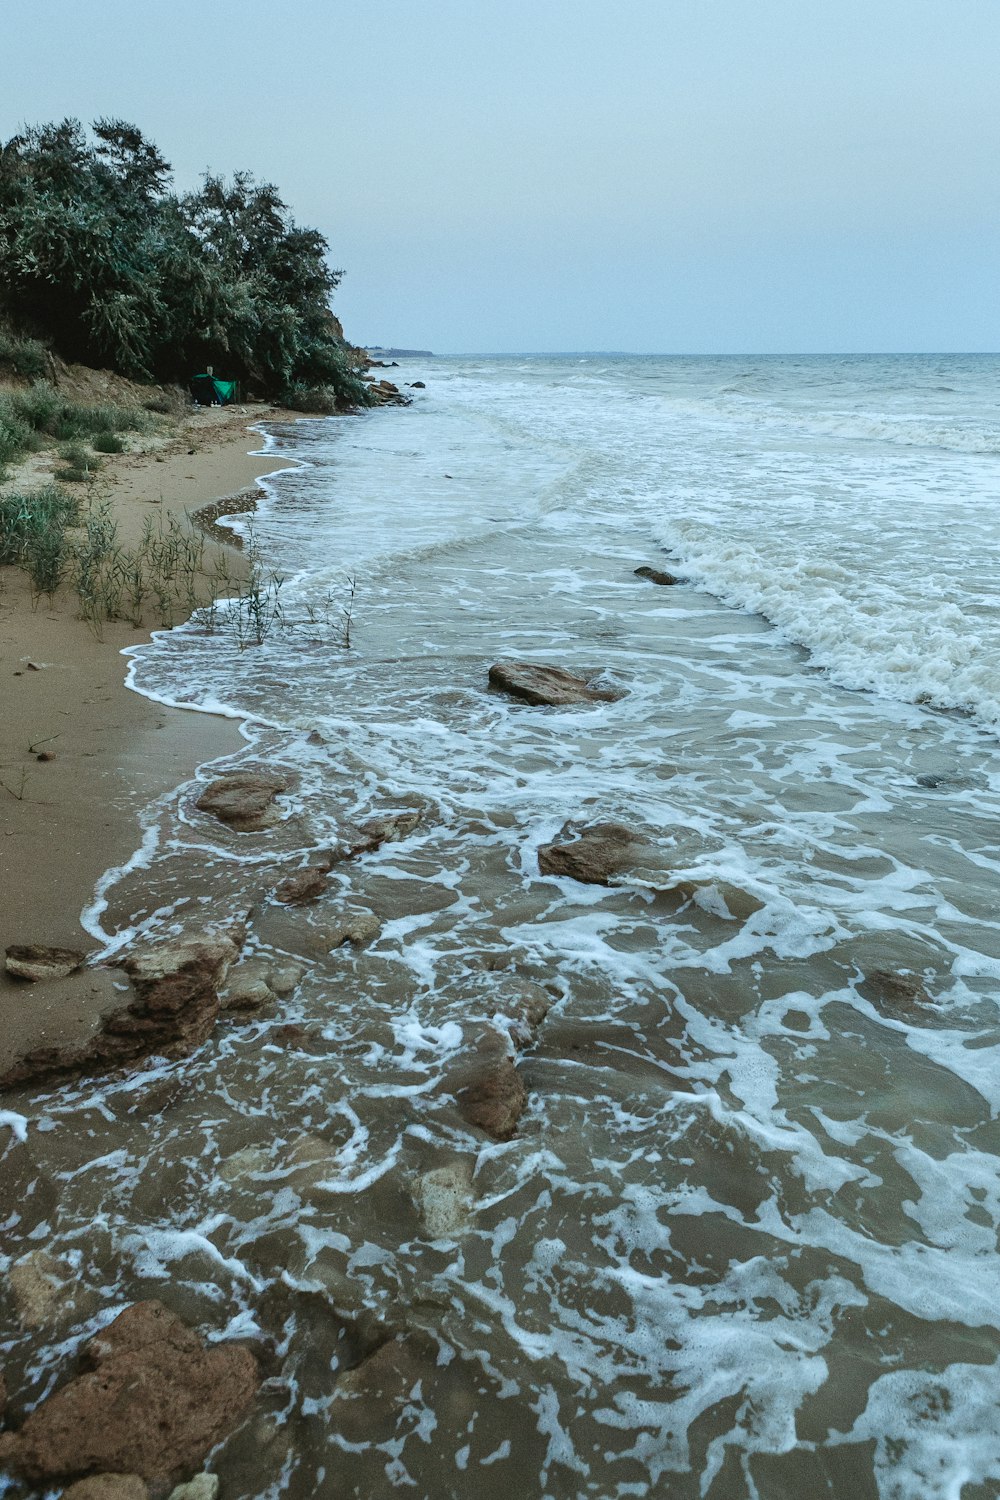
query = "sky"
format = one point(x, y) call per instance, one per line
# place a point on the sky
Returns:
point(658, 176)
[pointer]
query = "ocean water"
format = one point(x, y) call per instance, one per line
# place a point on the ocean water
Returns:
point(744, 1242)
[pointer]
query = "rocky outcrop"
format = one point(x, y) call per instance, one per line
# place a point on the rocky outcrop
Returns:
point(152, 1401)
point(530, 682)
point(244, 800)
point(384, 393)
point(35, 964)
point(593, 853)
point(656, 575)
point(487, 1087)
point(174, 1006)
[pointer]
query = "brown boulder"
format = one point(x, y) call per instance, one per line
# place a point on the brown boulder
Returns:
point(595, 854)
point(244, 800)
point(656, 575)
point(488, 1089)
point(151, 1402)
point(304, 885)
point(389, 828)
point(35, 964)
point(552, 686)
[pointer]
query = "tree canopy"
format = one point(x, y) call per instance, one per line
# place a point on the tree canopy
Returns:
point(101, 258)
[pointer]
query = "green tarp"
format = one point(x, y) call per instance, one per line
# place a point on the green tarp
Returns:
point(208, 391)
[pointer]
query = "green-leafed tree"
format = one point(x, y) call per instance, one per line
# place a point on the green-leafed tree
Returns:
point(99, 257)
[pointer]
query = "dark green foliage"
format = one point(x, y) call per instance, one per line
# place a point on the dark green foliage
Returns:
point(98, 255)
point(107, 442)
point(25, 357)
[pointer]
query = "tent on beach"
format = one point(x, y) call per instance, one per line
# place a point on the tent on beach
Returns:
point(209, 391)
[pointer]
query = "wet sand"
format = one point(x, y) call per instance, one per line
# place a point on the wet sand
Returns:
point(64, 821)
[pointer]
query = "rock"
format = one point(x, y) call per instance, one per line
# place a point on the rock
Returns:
point(244, 800)
point(418, 385)
point(36, 964)
point(152, 1401)
point(890, 991)
point(108, 1487)
point(284, 978)
point(304, 885)
point(247, 988)
point(366, 1399)
point(533, 683)
point(174, 1007)
point(357, 928)
point(245, 1163)
point(3, 1395)
point(389, 828)
point(201, 1487)
point(292, 1035)
point(444, 1197)
point(525, 1010)
point(595, 854)
point(656, 575)
point(42, 1288)
point(487, 1087)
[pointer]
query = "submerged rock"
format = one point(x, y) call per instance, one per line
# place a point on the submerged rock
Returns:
point(594, 854)
point(247, 989)
point(656, 575)
point(244, 800)
point(108, 1487)
point(547, 686)
point(389, 828)
point(34, 963)
point(201, 1487)
point(305, 885)
point(366, 1398)
point(524, 1010)
point(41, 1287)
point(357, 928)
point(890, 991)
point(152, 1401)
point(444, 1197)
point(487, 1087)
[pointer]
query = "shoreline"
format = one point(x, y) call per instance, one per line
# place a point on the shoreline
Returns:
point(66, 820)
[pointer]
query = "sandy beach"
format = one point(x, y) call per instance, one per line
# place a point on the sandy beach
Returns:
point(67, 818)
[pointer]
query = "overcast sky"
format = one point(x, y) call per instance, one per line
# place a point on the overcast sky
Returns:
point(652, 175)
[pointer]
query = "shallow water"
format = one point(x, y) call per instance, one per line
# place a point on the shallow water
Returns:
point(745, 1240)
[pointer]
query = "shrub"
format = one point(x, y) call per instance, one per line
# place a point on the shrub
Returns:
point(25, 520)
point(118, 270)
point(25, 357)
point(107, 442)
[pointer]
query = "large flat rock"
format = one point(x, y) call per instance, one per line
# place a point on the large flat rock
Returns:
point(531, 682)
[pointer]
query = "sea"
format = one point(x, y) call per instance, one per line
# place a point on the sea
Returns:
point(744, 1241)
